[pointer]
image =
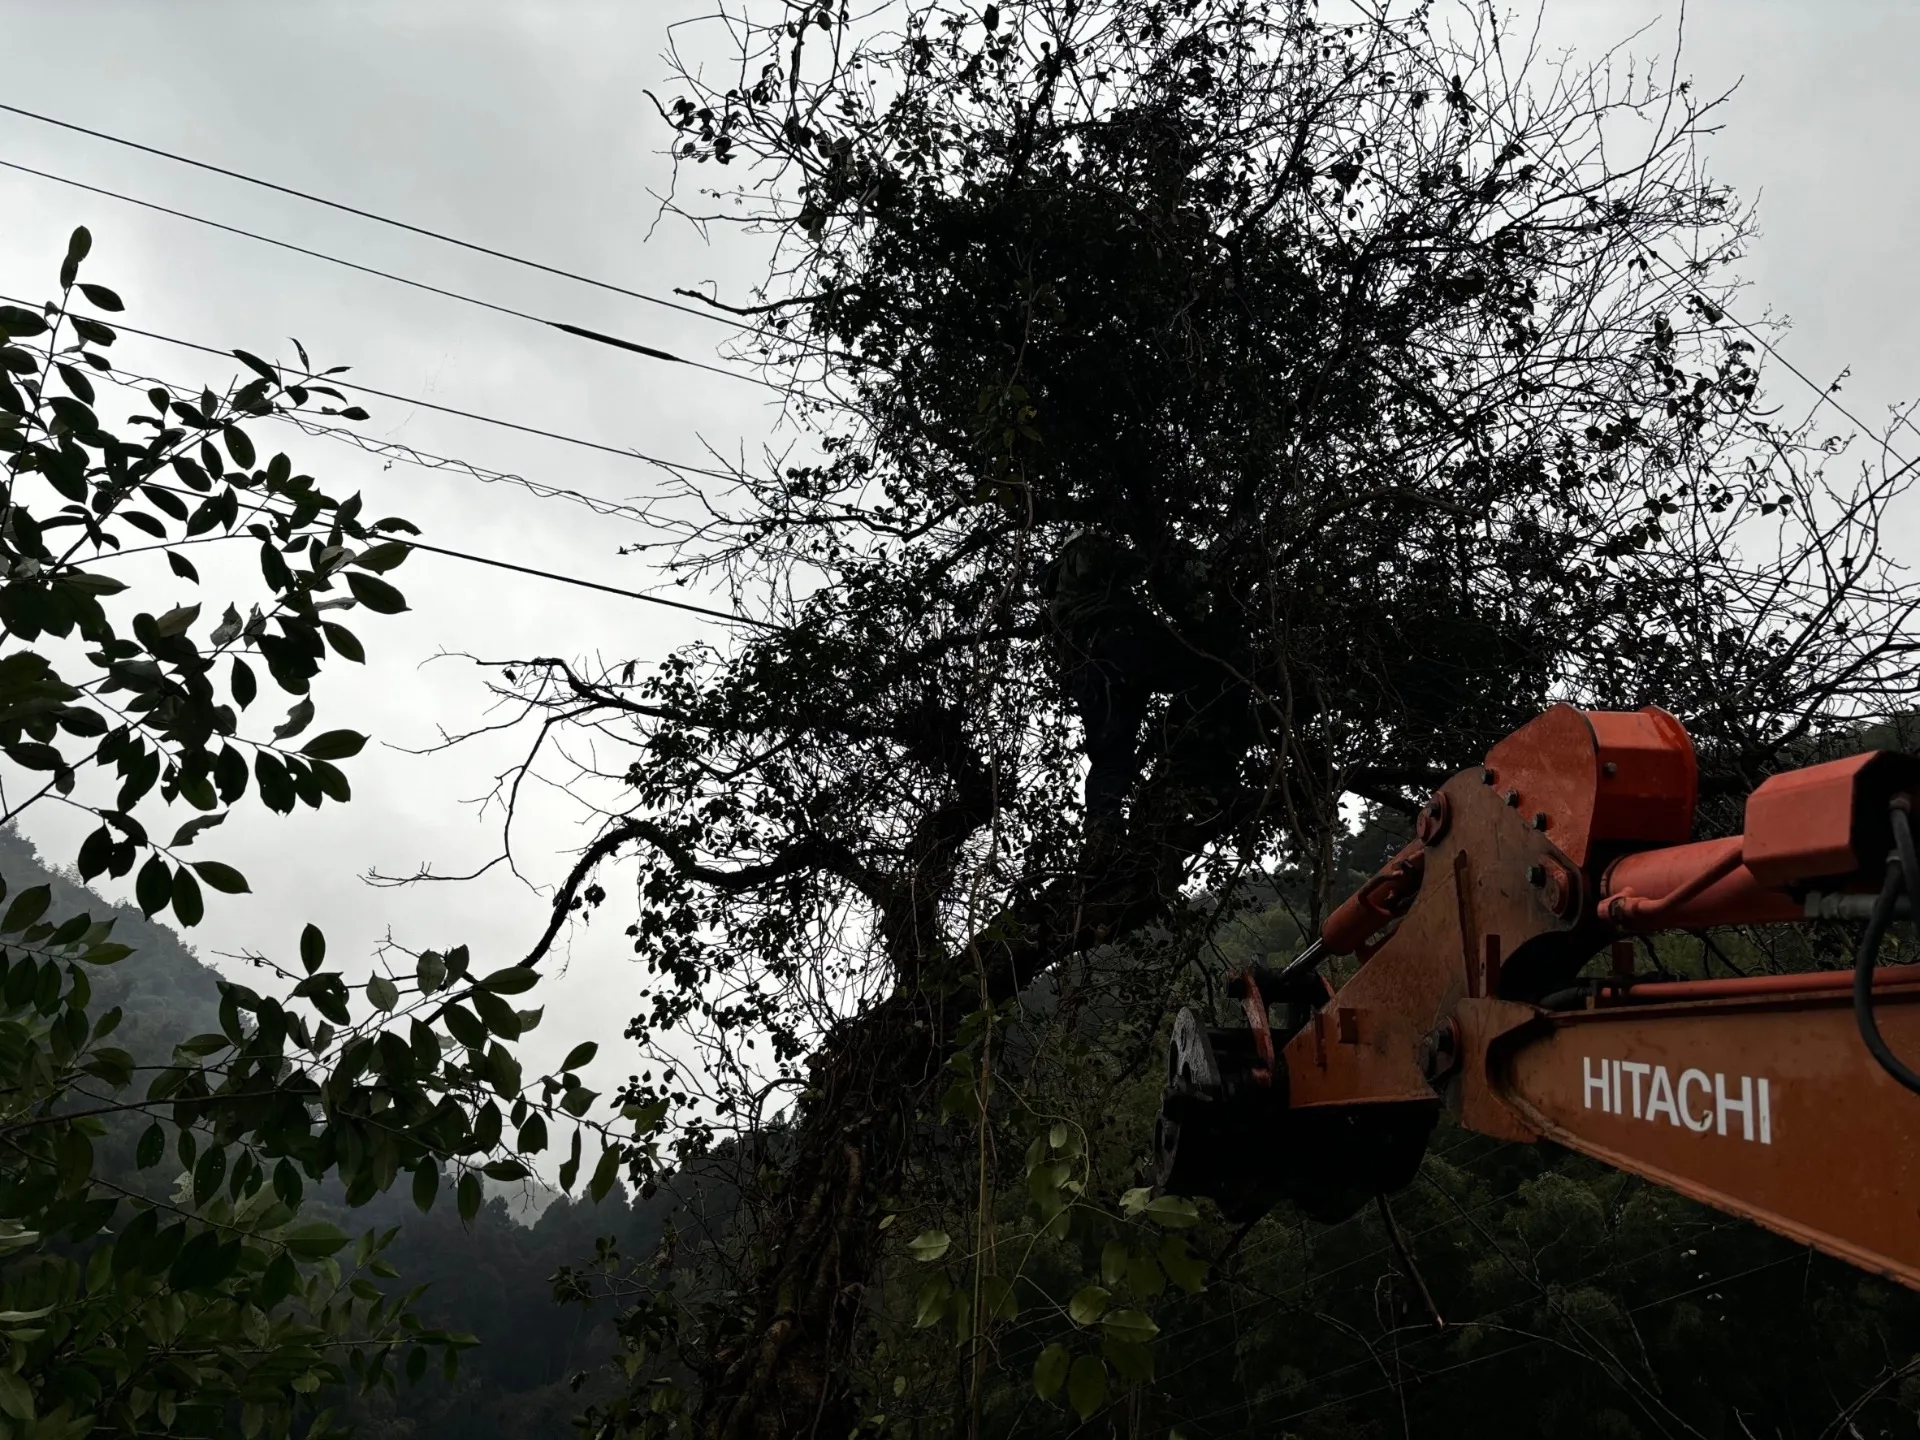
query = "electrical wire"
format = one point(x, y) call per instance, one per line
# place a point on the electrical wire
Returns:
point(1825, 393)
point(676, 467)
point(730, 616)
point(374, 216)
point(595, 335)
point(726, 615)
point(394, 450)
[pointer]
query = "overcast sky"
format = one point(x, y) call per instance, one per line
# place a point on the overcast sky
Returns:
point(524, 127)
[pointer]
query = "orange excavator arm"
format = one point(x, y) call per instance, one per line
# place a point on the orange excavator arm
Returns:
point(1780, 1097)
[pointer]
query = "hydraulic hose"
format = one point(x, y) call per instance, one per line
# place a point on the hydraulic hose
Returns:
point(1903, 874)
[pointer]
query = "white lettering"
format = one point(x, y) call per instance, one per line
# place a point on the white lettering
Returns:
point(1723, 1102)
point(1660, 1097)
point(1654, 1096)
point(1638, 1069)
point(1595, 1081)
point(1705, 1122)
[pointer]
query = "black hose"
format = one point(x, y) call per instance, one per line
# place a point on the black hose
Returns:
point(1903, 873)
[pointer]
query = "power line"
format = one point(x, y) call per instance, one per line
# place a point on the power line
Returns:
point(727, 615)
point(378, 218)
point(392, 450)
point(674, 466)
point(595, 335)
point(1825, 393)
point(731, 616)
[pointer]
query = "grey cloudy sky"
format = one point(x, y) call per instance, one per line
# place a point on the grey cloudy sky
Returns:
point(524, 127)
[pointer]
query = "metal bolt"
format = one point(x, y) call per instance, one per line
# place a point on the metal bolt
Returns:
point(1513, 799)
point(1486, 777)
point(1536, 874)
point(1609, 769)
point(1540, 820)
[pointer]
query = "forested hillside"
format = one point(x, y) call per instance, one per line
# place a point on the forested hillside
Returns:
point(492, 1279)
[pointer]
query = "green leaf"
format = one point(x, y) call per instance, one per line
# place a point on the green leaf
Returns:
point(315, 1241)
point(188, 905)
point(208, 1172)
point(334, 745)
point(313, 948)
point(345, 643)
point(1087, 1304)
point(929, 1245)
point(224, 878)
point(186, 834)
point(1173, 1212)
point(103, 298)
point(1185, 1269)
point(1050, 1371)
point(376, 595)
point(514, 980)
point(298, 718)
point(27, 907)
point(604, 1174)
point(153, 886)
point(19, 324)
point(467, 1195)
point(426, 1184)
point(498, 1016)
point(1087, 1386)
point(1113, 1263)
point(153, 1144)
point(463, 1027)
point(204, 1262)
point(383, 993)
point(382, 557)
point(931, 1305)
point(1136, 1200)
point(581, 1054)
point(258, 366)
point(15, 1398)
point(177, 621)
point(1130, 1326)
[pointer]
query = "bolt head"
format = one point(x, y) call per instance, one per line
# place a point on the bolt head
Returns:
point(1486, 777)
point(1540, 820)
point(1513, 799)
point(1536, 874)
point(1609, 769)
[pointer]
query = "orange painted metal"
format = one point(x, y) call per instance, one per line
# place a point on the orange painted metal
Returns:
point(1800, 825)
point(1690, 887)
point(1374, 904)
point(1600, 777)
point(1770, 1106)
point(1812, 982)
point(1767, 1107)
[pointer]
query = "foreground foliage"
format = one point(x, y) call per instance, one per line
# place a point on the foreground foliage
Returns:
point(187, 1293)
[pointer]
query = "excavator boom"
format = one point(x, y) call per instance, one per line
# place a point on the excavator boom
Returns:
point(1780, 1098)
